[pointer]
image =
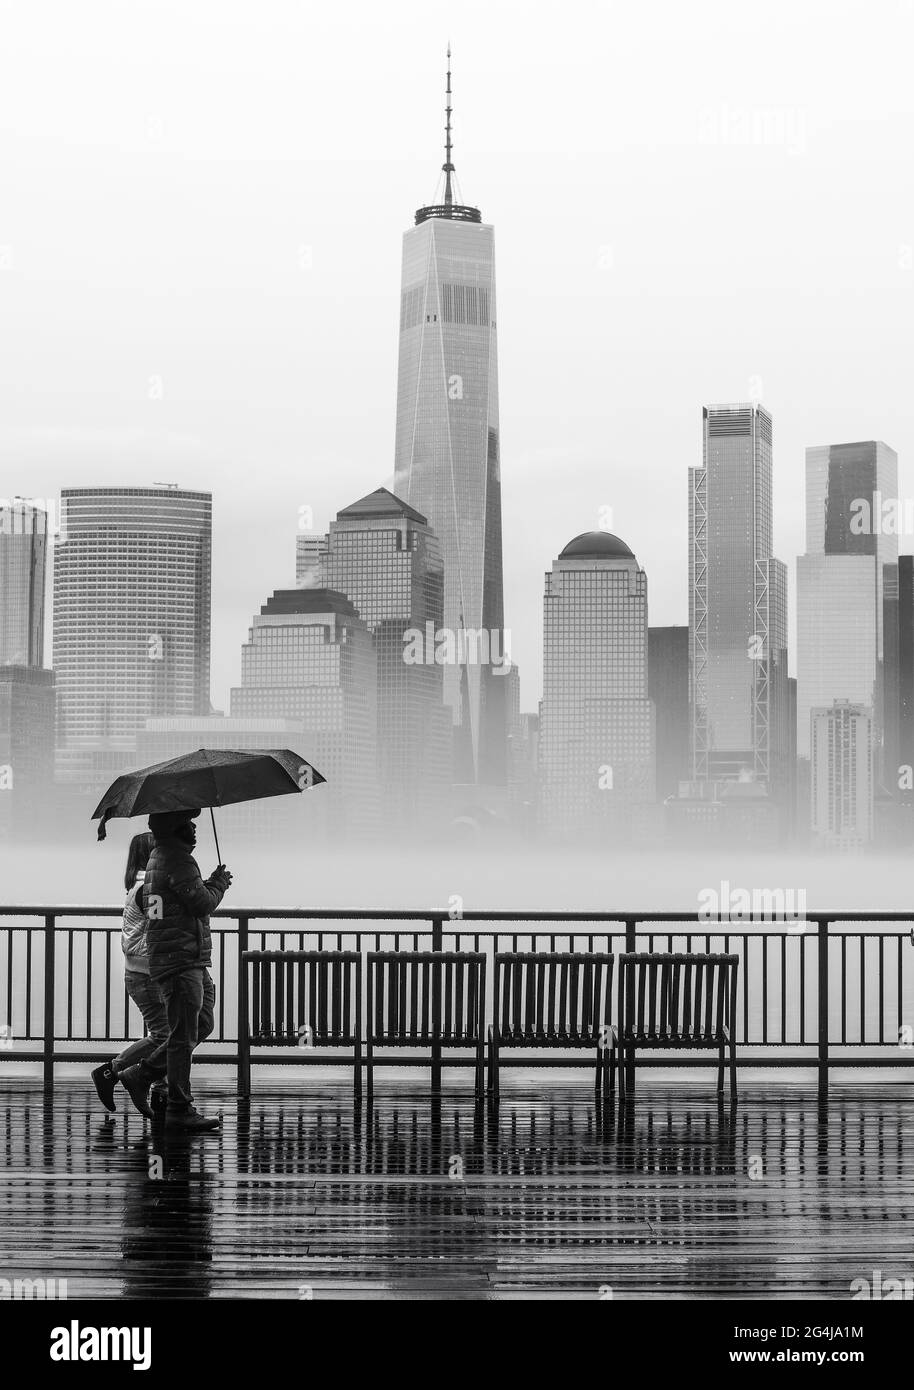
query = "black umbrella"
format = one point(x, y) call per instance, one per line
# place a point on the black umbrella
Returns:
point(210, 777)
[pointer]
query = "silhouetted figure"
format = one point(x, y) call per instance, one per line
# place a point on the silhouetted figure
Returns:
point(141, 989)
point(178, 903)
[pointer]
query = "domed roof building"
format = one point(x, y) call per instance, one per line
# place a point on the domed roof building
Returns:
point(597, 727)
point(596, 545)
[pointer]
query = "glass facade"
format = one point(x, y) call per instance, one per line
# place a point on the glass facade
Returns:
point(447, 452)
point(26, 750)
point(836, 635)
point(737, 604)
point(131, 619)
point(837, 476)
point(23, 567)
point(309, 657)
point(668, 688)
point(383, 555)
point(841, 771)
point(596, 746)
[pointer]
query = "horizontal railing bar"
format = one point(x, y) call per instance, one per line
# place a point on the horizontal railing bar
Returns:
point(453, 923)
point(291, 1057)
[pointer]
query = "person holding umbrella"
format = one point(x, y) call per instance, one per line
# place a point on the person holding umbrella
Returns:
point(178, 903)
point(140, 989)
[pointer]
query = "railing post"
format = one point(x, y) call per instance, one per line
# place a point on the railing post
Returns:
point(50, 928)
point(242, 999)
point(437, 945)
point(823, 1008)
point(628, 1058)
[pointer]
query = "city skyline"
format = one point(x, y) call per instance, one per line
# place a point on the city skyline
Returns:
point(598, 294)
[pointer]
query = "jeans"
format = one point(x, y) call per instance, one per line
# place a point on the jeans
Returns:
point(190, 998)
point(148, 999)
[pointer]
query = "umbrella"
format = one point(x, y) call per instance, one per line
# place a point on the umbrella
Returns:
point(210, 777)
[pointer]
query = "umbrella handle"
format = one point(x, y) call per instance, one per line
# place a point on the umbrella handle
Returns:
point(215, 836)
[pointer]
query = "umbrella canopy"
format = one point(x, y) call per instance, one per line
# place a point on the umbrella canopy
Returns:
point(209, 777)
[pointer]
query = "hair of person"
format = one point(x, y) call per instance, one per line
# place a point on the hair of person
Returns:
point(141, 846)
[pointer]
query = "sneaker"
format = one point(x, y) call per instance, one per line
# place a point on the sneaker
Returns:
point(105, 1080)
point(137, 1088)
point(190, 1121)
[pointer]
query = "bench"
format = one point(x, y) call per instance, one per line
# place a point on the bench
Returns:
point(426, 999)
point(554, 999)
point(675, 1001)
point(300, 999)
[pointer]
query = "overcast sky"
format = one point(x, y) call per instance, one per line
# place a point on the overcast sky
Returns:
point(201, 207)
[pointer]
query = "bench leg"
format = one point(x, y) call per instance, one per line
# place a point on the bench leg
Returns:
point(493, 1066)
point(609, 1070)
point(720, 1069)
point(732, 1069)
point(599, 1085)
point(479, 1087)
point(244, 1068)
point(369, 1070)
point(357, 1071)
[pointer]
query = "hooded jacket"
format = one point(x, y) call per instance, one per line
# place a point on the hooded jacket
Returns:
point(178, 903)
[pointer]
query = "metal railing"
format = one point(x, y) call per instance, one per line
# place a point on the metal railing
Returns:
point(835, 990)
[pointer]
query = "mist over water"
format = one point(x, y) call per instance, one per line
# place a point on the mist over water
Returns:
point(501, 878)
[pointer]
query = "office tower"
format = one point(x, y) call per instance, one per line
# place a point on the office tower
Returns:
point(668, 688)
point(737, 605)
point(23, 567)
point(447, 452)
point(382, 554)
point(310, 657)
point(131, 621)
point(308, 549)
point(906, 661)
point(26, 749)
point(841, 771)
point(836, 635)
point(847, 486)
point(597, 722)
point(523, 750)
point(891, 680)
point(840, 583)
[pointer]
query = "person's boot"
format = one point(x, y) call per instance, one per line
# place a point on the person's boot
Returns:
point(190, 1121)
point(105, 1080)
point(137, 1087)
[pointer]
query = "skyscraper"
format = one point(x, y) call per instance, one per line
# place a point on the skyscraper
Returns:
point(841, 580)
point(447, 451)
point(382, 554)
point(841, 768)
point(310, 657)
point(131, 620)
point(26, 749)
point(668, 688)
point(737, 605)
point(596, 751)
point(846, 485)
point(23, 568)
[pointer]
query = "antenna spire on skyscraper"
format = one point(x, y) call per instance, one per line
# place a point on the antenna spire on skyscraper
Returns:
point(447, 165)
point(447, 207)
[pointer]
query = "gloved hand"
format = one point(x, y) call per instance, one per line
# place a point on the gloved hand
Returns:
point(221, 876)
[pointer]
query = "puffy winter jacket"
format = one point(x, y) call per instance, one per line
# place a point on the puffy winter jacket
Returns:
point(133, 932)
point(178, 903)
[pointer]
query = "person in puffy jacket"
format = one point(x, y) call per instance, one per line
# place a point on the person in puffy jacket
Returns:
point(141, 989)
point(177, 904)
